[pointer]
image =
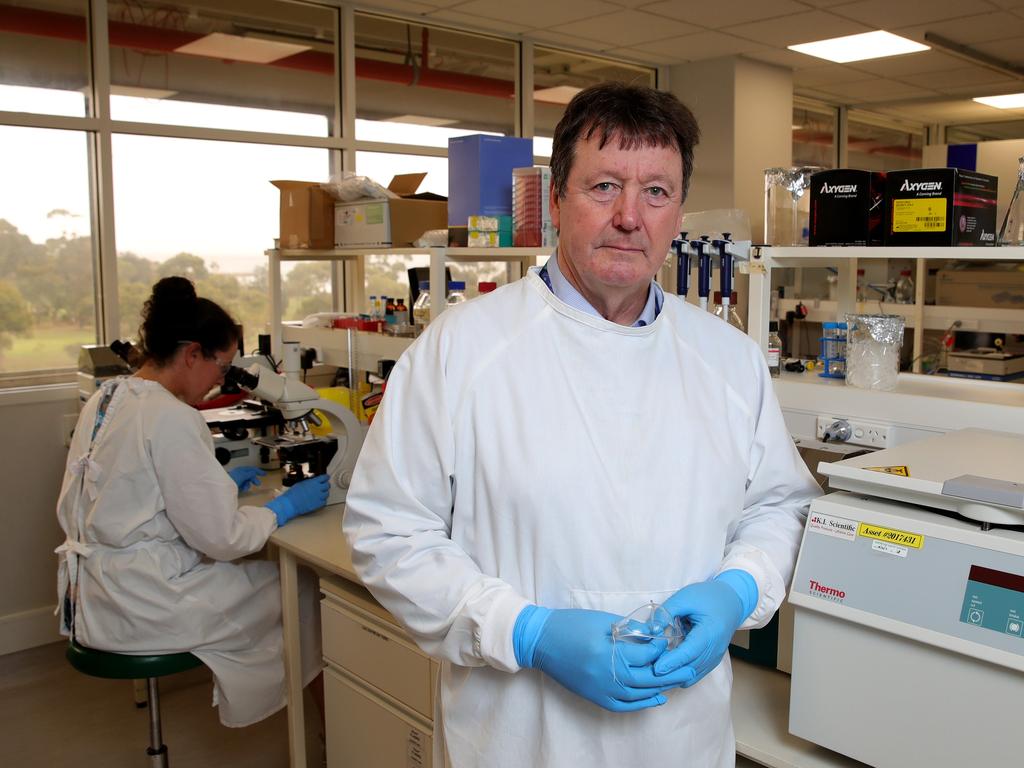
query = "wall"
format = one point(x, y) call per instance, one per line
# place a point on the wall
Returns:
point(31, 467)
point(999, 158)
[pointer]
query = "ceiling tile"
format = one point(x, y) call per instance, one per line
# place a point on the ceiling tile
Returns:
point(823, 3)
point(886, 14)
point(625, 28)
point(907, 64)
point(978, 29)
point(1009, 50)
point(783, 57)
point(469, 21)
point(539, 14)
point(959, 80)
point(877, 89)
point(644, 55)
point(722, 13)
point(567, 41)
point(830, 74)
point(797, 28)
point(705, 45)
point(992, 88)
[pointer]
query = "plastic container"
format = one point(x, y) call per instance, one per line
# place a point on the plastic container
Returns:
point(774, 349)
point(832, 352)
point(787, 204)
point(1012, 231)
point(734, 316)
point(456, 292)
point(421, 309)
point(485, 286)
point(873, 350)
point(904, 290)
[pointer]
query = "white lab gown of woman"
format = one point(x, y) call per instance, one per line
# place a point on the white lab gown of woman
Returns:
point(152, 523)
point(529, 452)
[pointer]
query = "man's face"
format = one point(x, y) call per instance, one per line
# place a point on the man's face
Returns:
point(620, 211)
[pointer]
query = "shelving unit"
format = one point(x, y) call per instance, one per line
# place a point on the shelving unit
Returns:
point(361, 350)
point(766, 258)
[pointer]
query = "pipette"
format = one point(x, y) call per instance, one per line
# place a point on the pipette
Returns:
point(726, 252)
point(682, 246)
point(703, 249)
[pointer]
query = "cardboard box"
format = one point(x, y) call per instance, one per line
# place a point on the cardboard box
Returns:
point(480, 175)
point(940, 207)
point(996, 288)
point(307, 215)
point(394, 222)
point(847, 207)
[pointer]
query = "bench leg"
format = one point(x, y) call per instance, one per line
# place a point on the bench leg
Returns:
point(139, 693)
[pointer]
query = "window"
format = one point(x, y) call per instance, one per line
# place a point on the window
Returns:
point(417, 77)
point(44, 59)
point(46, 273)
point(873, 146)
point(814, 136)
point(560, 75)
point(170, 62)
point(205, 209)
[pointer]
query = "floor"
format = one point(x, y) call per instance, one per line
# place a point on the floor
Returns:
point(51, 715)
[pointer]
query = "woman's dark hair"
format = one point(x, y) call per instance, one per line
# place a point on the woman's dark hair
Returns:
point(636, 115)
point(174, 314)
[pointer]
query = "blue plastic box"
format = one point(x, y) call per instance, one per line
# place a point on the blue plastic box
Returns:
point(480, 175)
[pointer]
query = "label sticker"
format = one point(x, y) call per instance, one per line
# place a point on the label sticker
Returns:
point(902, 471)
point(839, 527)
point(925, 215)
point(891, 535)
point(889, 549)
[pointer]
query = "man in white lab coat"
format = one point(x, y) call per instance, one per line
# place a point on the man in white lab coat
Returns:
point(560, 452)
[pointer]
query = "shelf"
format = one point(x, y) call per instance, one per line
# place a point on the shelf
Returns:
point(760, 714)
point(332, 345)
point(451, 254)
point(809, 257)
point(936, 317)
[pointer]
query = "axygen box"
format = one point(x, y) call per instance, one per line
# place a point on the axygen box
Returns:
point(940, 206)
point(847, 207)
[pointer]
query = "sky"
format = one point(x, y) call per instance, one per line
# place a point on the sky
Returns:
point(210, 198)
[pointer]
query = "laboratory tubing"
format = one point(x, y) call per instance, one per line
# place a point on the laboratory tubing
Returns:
point(421, 309)
point(1012, 231)
point(373, 307)
point(774, 349)
point(456, 292)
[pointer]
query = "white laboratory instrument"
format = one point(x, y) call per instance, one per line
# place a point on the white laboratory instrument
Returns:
point(298, 404)
point(909, 606)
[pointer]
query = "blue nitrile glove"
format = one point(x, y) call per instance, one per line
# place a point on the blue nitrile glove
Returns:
point(714, 609)
point(302, 498)
point(574, 647)
point(246, 477)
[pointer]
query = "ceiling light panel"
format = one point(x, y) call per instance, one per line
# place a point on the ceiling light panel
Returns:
point(1006, 101)
point(869, 45)
point(254, 50)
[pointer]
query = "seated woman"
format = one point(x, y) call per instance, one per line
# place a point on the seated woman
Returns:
point(154, 527)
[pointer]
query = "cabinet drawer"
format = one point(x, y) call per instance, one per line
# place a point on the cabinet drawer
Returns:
point(364, 731)
point(378, 654)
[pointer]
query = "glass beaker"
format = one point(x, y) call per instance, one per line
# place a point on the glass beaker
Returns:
point(787, 204)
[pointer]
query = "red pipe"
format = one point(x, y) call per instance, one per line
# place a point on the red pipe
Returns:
point(139, 37)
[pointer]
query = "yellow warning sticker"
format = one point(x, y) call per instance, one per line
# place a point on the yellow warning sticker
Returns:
point(902, 471)
point(869, 531)
point(925, 215)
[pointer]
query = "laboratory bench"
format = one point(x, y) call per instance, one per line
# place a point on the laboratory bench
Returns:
point(379, 686)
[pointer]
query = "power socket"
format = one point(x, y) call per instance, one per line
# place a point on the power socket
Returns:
point(865, 433)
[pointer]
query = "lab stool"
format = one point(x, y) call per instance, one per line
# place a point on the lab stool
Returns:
point(119, 666)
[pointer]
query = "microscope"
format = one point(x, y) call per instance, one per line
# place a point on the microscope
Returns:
point(302, 453)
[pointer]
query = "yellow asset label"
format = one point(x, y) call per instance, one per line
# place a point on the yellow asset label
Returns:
point(925, 215)
point(891, 535)
point(901, 471)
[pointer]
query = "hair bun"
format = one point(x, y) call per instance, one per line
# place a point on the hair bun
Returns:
point(174, 290)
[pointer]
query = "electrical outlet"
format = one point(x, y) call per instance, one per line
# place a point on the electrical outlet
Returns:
point(68, 421)
point(865, 433)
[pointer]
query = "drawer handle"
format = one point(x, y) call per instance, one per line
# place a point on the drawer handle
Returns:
point(375, 633)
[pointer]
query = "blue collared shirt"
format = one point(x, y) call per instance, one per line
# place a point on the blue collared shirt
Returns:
point(566, 292)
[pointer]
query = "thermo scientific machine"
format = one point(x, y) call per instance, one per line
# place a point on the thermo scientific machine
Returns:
point(908, 643)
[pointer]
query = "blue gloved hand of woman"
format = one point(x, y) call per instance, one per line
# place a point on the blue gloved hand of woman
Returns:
point(302, 498)
point(246, 477)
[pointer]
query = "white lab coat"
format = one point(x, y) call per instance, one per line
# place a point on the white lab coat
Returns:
point(152, 521)
point(528, 452)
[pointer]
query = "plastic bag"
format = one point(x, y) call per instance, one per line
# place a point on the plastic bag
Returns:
point(432, 238)
point(348, 187)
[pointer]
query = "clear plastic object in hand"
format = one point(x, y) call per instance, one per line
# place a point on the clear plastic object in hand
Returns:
point(648, 623)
